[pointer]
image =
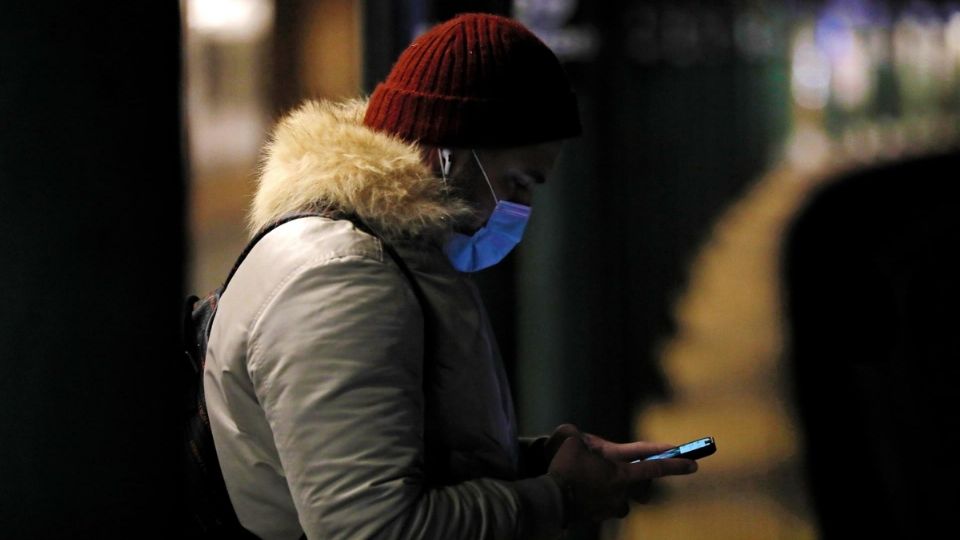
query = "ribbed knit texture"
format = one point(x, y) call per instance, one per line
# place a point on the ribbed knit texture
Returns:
point(476, 81)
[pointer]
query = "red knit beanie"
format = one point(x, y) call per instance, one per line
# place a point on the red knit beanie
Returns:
point(476, 81)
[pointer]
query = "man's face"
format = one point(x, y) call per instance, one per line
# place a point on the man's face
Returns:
point(513, 173)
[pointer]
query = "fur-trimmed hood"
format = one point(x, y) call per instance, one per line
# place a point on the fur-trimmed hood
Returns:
point(321, 157)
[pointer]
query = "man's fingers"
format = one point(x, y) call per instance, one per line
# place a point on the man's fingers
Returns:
point(635, 450)
point(567, 430)
point(646, 470)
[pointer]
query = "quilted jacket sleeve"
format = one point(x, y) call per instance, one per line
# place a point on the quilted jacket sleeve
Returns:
point(336, 362)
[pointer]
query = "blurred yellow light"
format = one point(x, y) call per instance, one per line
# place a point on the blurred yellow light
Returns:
point(808, 148)
point(239, 20)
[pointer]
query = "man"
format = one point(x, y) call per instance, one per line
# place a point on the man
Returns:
point(349, 399)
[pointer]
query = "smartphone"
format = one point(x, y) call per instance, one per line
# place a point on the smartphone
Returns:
point(695, 449)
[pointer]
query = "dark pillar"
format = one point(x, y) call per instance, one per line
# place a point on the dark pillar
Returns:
point(92, 243)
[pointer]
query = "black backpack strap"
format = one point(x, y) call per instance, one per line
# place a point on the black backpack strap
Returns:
point(260, 234)
point(353, 218)
point(401, 264)
point(199, 312)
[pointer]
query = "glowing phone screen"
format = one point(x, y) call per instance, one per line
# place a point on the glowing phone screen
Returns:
point(682, 450)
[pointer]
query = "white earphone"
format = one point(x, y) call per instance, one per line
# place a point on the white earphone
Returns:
point(444, 154)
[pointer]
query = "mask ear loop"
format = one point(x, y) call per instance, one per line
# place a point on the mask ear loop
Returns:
point(489, 185)
point(444, 154)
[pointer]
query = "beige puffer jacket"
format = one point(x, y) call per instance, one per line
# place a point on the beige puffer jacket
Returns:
point(333, 412)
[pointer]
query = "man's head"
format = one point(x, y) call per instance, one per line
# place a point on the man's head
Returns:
point(487, 88)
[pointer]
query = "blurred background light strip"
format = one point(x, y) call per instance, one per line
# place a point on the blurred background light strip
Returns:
point(230, 20)
point(810, 71)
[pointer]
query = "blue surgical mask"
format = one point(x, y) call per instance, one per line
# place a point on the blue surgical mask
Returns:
point(492, 242)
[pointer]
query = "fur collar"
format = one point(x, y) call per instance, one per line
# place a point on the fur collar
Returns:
point(321, 157)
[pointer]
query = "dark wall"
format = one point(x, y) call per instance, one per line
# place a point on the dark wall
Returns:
point(92, 243)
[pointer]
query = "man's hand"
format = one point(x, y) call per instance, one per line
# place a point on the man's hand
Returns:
point(596, 488)
point(557, 438)
point(635, 478)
